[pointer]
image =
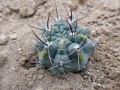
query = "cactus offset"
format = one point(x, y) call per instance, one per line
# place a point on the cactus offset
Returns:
point(66, 47)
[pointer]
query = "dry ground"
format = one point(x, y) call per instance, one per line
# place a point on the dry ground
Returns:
point(17, 46)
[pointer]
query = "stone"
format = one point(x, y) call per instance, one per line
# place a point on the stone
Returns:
point(85, 76)
point(112, 7)
point(39, 88)
point(106, 31)
point(3, 39)
point(41, 2)
point(118, 84)
point(40, 77)
point(22, 60)
point(19, 49)
point(20, 52)
point(108, 87)
point(101, 39)
point(116, 54)
point(3, 58)
point(113, 74)
point(103, 86)
point(93, 77)
point(118, 58)
point(117, 27)
point(14, 5)
point(105, 46)
point(78, 78)
point(13, 36)
point(7, 11)
point(93, 32)
point(27, 8)
point(115, 34)
point(87, 73)
point(64, 86)
point(82, 1)
point(115, 50)
point(30, 83)
point(108, 55)
point(1, 8)
point(1, 20)
point(95, 85)
point(107, 71)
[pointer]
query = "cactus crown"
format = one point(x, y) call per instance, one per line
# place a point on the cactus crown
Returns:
point(66, 47)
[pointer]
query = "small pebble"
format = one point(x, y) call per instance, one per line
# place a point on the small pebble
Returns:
point(116, 54)
point(20, 52)
point(85, 76)
point(93, 32)
point(95, 85)
point(113, 74)
point(115, 34)
point(107, 71)
point(115, 50)
point(3, 39)
point(13, 36)
point(2, 59)
point(28, 8)
point(105, 46)
point(79, 78)
point(1, 20)
point(118, 84)
point(118, 58)
point(108, 87)
point(99, 84)
point(1, 8)
point(19, 49)
point(40, 77)
point(101, 39)
point(82, 1)
point(108, 55)
point(22, 60)
point(103, 86)
point(7, 11)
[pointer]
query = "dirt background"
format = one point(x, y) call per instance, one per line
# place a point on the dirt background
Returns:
point(17, 45)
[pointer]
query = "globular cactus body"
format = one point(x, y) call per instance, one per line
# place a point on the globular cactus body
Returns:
point(63, 51)
point(65, 48)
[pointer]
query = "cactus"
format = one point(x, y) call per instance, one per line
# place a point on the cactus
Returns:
point(65, 46)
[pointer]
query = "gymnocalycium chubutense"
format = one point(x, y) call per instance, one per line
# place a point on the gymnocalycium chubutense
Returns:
point(65, 46)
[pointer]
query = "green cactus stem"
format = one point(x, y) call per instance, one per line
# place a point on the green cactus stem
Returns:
point(65, 46)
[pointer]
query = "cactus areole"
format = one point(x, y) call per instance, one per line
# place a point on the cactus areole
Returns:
point(65, 46)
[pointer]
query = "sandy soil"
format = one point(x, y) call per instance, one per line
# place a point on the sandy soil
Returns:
point(17, 46)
